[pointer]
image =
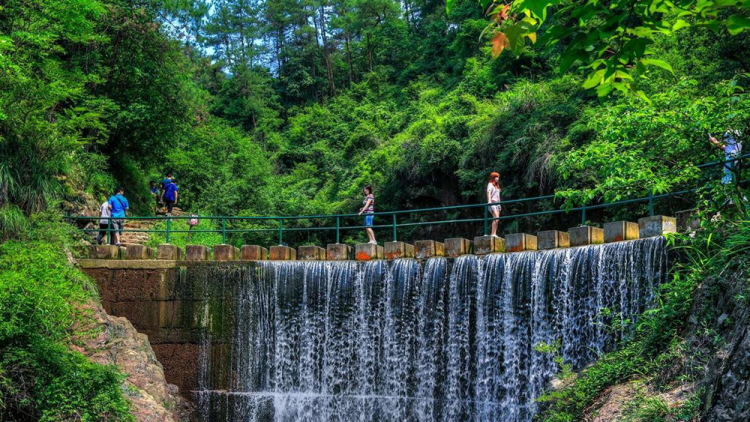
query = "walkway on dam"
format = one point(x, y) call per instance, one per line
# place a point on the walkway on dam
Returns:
point(616, 231)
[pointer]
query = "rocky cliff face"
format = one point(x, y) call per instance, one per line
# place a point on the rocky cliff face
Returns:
point(116, 342)
point(726, 384)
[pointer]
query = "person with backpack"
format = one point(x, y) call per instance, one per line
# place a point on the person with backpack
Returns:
point(118, 204)
point(170, 196)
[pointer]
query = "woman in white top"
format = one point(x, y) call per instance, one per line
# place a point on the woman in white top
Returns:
point(493, 197)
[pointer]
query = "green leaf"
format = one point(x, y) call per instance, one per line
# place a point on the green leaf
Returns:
point(594, 79)
point(658, 63)
point(449, 5)
point(679, 25)
point(737, 24)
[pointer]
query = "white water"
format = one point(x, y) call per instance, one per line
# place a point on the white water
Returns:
point(401, 340)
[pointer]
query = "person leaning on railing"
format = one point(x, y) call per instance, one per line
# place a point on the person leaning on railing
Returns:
point(493, 196)
point(732, 150)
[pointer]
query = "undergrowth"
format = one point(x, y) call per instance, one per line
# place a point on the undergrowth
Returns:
point(41, 378)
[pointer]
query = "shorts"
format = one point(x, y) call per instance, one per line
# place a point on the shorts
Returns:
point(169, 203)
point(118, 225)
point(497, 208)
point(368, 220)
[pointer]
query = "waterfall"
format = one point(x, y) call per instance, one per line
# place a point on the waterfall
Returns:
point(441, 340)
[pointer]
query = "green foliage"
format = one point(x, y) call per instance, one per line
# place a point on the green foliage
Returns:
point(656, 343)
point(612, 41)
point(41, 298)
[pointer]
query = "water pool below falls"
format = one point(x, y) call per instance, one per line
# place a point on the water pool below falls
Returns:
point(441, 340)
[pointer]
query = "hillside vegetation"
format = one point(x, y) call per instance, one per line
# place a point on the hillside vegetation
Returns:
point(281, 107)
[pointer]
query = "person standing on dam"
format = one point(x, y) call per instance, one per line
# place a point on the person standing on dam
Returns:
point(368, 207)
point(493, 197)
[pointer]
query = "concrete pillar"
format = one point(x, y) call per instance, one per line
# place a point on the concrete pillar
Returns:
point(338, 252)
point(104, 252)
point(226, 253)
point(368, 251)
point(311, 253)
point(488, 244)
point(396, 250)
point(687, 221)
point(254, 253)
point(552, 239)
point(617, 231)
point(283, 253)
point(424, 249)
point(169, 252)
point(519, 242)
point(586, 235)
point(138, 252)
point(656, 225)
point(457, 246)
point(196, 252)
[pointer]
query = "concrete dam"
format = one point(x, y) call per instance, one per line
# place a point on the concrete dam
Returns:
point(471, 337)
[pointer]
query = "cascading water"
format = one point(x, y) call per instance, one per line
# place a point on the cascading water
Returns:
point(401, 340)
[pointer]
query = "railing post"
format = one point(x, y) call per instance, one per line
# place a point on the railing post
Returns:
point(169, 223)
point(394, 227)
point(583, 214)
point(338, 231)
point(651, 202)
point(109, 230)
point(281, 230)
point(485, 220)
point(223, 231)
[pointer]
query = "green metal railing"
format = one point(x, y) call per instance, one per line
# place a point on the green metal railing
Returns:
point(394, 224)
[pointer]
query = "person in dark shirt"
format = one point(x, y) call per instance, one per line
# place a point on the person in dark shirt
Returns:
point(155, 194)
point(170, 196)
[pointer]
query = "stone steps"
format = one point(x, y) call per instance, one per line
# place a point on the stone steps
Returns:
point(421, 249)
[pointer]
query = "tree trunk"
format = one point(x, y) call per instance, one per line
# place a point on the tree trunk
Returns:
point(327, 52)
point(369, 51)
point(349, 61)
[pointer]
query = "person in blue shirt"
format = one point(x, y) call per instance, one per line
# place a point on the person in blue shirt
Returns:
point(170, 196)
point(155, 193)
point(164, 183)
point(732, 150)
point(119, 206)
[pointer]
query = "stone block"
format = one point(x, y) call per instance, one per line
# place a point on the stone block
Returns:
point(338, 252)
point(226, 253)
point(396, 250)
point(617, 231)
point(586, 235)
point(169, 252)
point(457, 246)
point(138, 252)
point(424, 249)
point(519, 242)
point(283, 253)
point(311, 253)
point(687, 221)
point(368, 251)
point(104, 252)
point(552, 239)
point(656, 225)
point(254, 253)
point(196, 252)
point(488, 244)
